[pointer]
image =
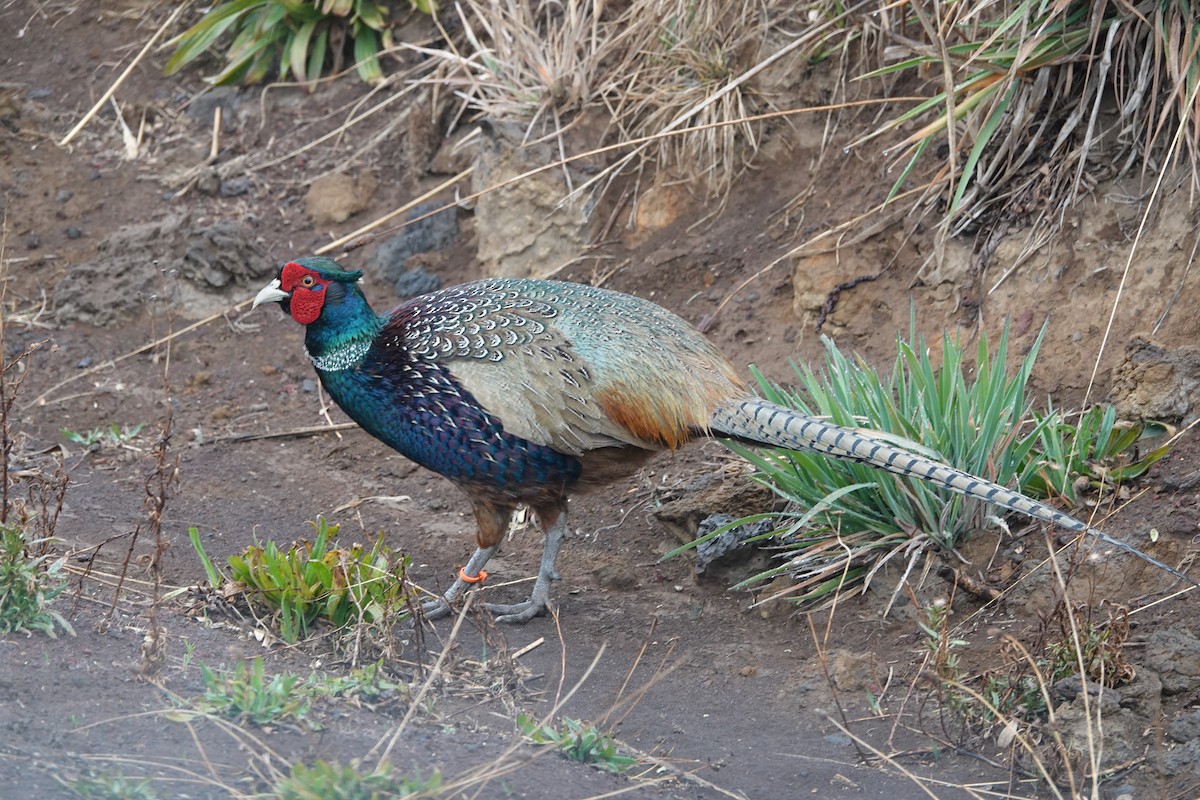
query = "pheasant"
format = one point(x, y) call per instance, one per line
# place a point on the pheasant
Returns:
point(525, 391)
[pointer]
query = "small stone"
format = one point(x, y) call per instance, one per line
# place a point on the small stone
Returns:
point(84, 362)
point(334, 198)
point(208, 184)
point(1185, 728)
point(308, 386)
point(73, 232)
point(40, 93)
point(63, 196)
point(235, 187)
point(33, 241)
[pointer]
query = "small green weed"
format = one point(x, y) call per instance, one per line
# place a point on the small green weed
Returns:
point(325, 780)
point(245, 694)
point(1096, 449)
point(369, 683)
point(112, 436)
point(300, 37)
point(113, 787)
point(314, 581)
point(1099, 648)
point(27, 585)
point(580, 742)
point(1016, 689)
point(942, 649)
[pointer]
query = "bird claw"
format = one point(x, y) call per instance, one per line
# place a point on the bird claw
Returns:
point(436, 609)
point(517, 613)
point(512, 614)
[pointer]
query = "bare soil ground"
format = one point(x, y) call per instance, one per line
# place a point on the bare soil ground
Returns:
point(732, 703)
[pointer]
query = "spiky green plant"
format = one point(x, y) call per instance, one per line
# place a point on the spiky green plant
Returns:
point(844, 519)
point(112, 436)
point(969, 425)
point(113, 787)
point(1096, 448)
point(300, 37)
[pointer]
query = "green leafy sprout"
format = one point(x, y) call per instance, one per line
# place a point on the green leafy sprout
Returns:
point(112, 436)
point(312, 581)
point(246, 694)
point(324, 780)
point(27, 585)
point(113, 787)
point(578, 741)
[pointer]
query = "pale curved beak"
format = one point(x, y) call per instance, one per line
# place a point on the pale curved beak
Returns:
point(271, 293)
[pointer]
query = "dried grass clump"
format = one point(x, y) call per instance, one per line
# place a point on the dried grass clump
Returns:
point(651, 67)
point(1043, 100)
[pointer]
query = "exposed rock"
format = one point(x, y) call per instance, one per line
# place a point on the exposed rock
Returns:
point(416, 282)
point(333, 199)
point(712, 494)
point(1175, 655)
point(1122, 728)
point(657, 208)
point(1182, 759)
point(1071, 688)
point(853, 671)
point(1156, 383)
point(422, 236)
point(813, 277)
point(201, 266)
point(1185, 727)
point(522, 229)
point(731, 544)
point(1120, 716)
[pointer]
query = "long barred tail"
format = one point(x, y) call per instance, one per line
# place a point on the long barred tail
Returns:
point(759, 422)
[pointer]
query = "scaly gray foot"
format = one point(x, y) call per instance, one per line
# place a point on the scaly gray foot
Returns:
point(517, 613)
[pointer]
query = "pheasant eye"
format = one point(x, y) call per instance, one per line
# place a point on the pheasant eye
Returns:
point(307, 280)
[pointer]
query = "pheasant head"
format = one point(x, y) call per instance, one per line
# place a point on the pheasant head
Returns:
point(325, 298)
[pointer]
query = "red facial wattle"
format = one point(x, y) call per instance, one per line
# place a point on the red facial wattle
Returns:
point(306, 291)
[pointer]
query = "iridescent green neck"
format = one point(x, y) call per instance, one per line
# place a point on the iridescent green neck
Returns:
point(344, 332)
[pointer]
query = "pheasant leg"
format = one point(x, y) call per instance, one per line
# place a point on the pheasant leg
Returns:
point(539, 599)
point(436, 609)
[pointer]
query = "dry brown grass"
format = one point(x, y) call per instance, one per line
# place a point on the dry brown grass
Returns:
point(653, 67)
